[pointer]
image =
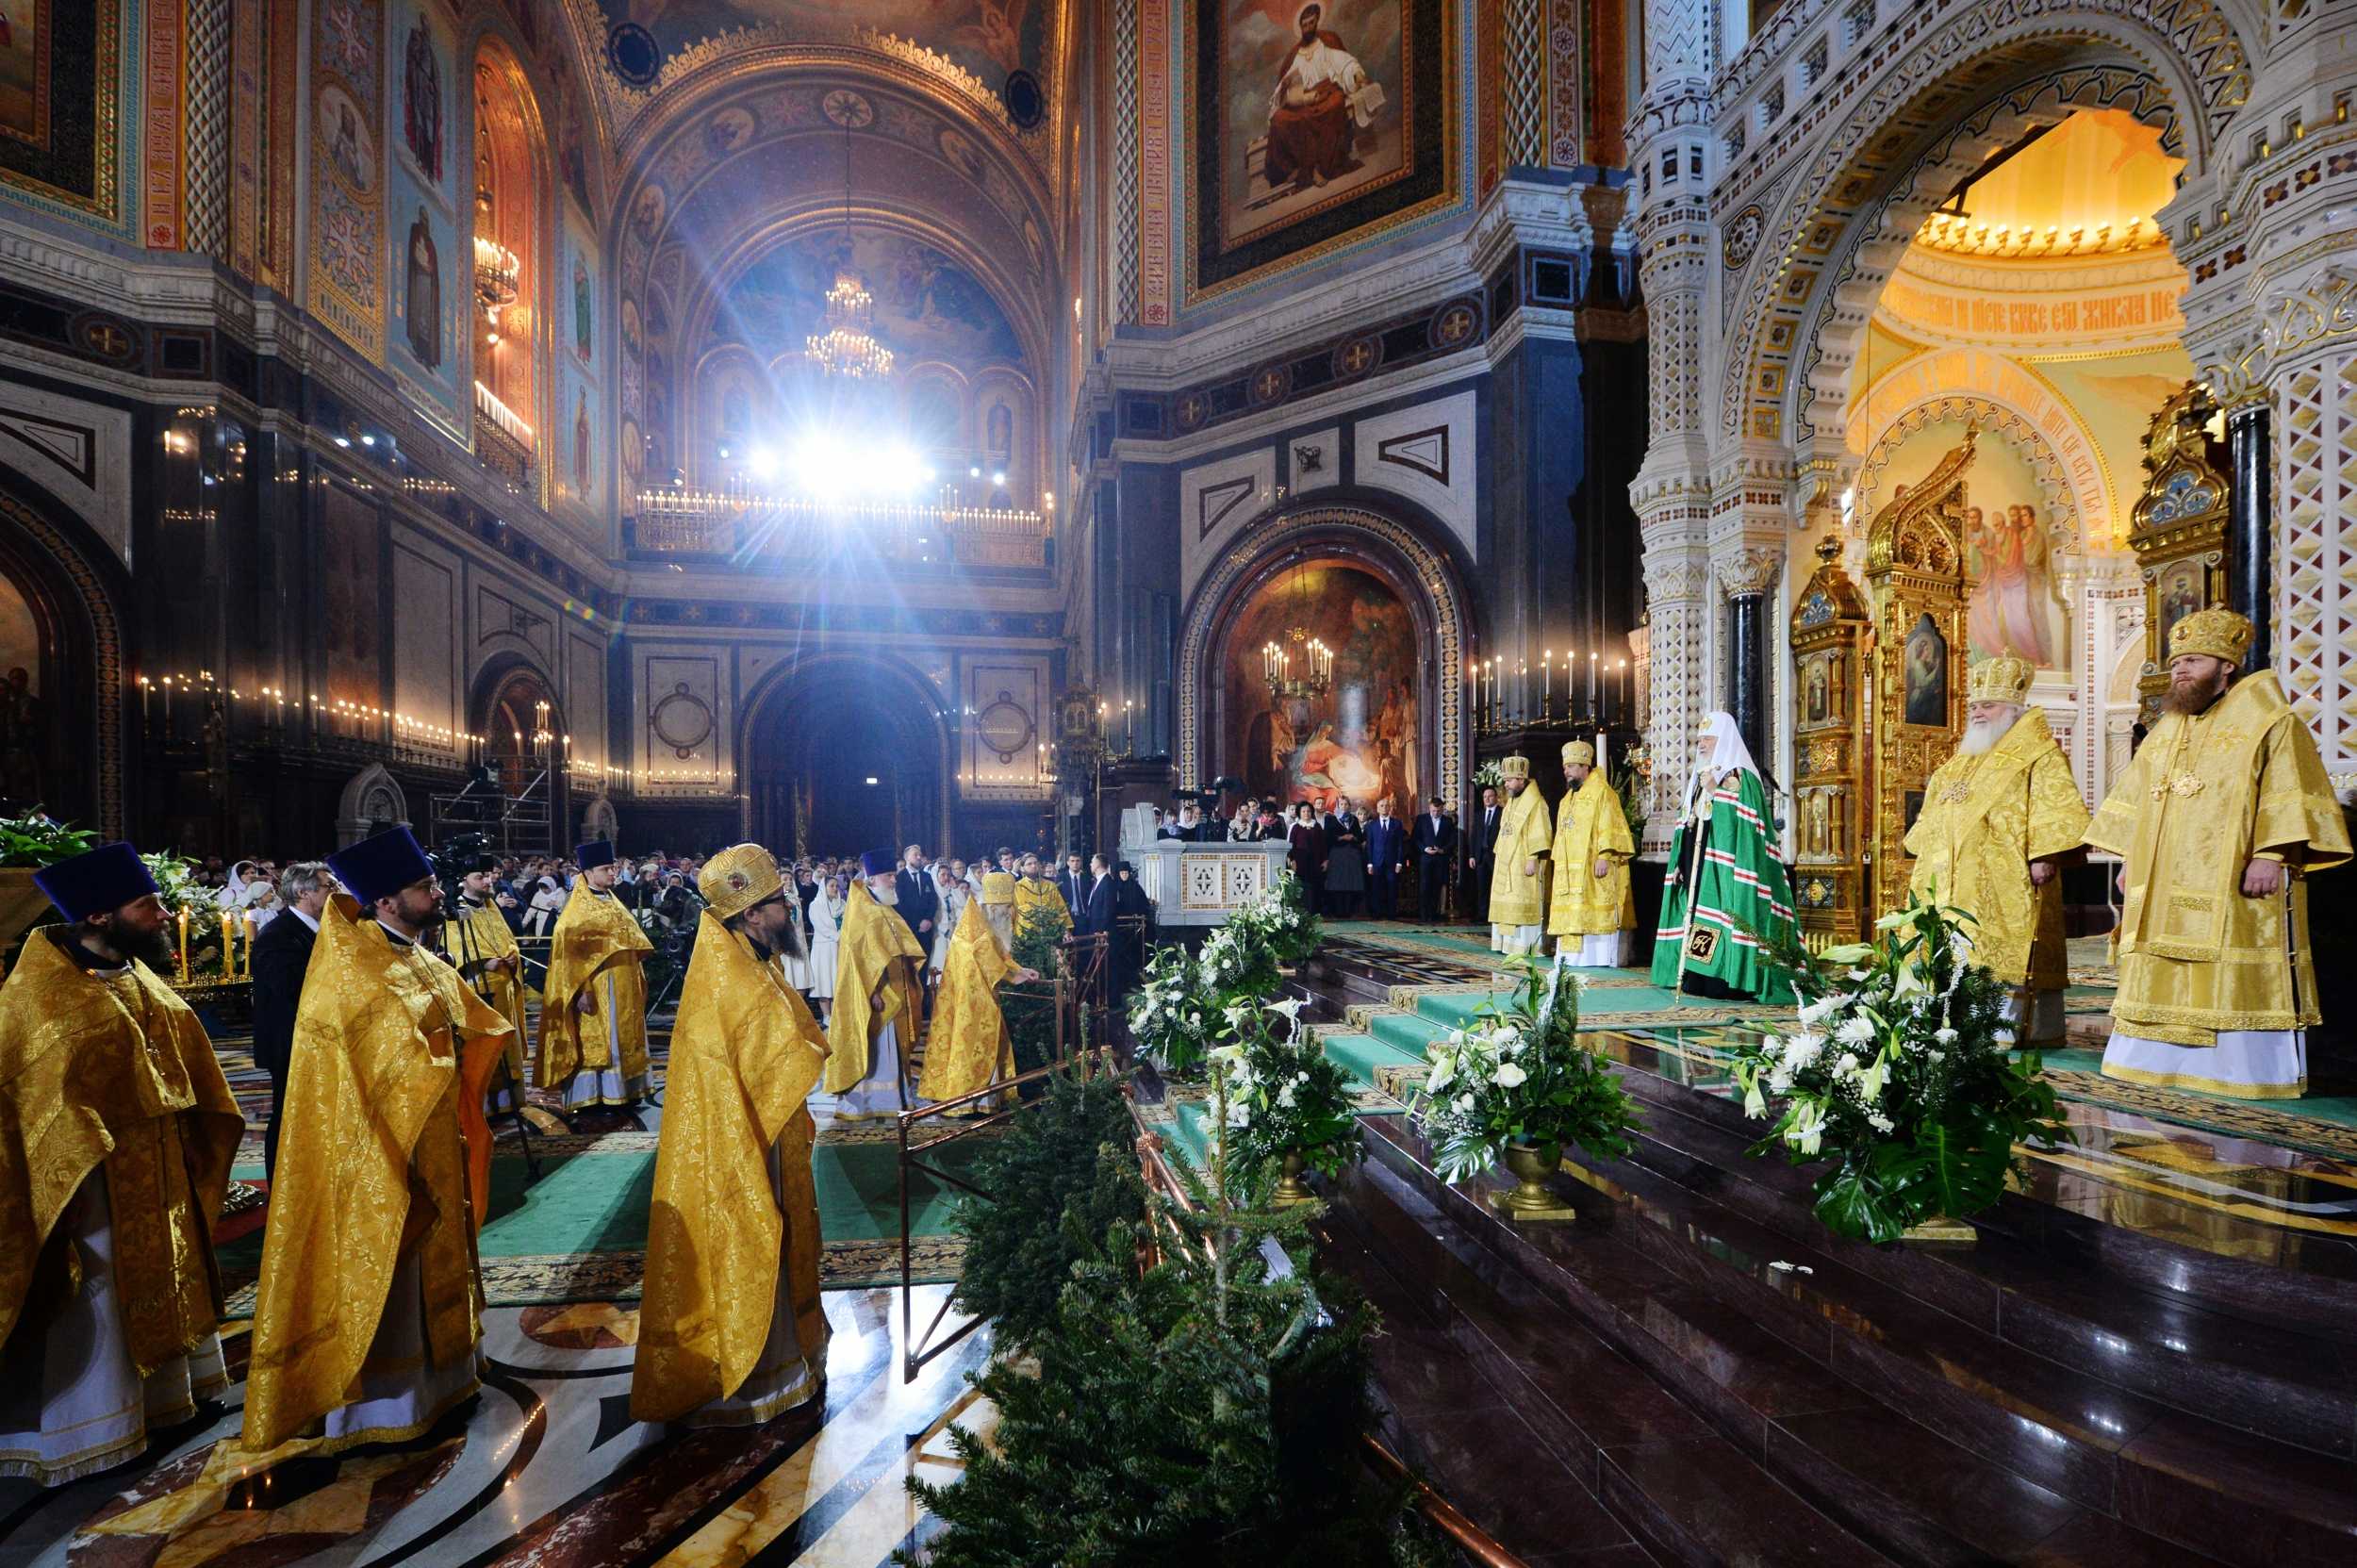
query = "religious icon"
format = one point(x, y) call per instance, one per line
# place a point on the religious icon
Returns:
point(1911, 807)
point(2180, 587)
point(646, 213)
point(421, 300)
point(24, 74)
point(1000, 425)
point(350, 148)
point(2015, 609)
point(421, 102)
point(1817, 691)
point(581, 443)
point(582, 308)
point(1925, 662)
point(1819, 830)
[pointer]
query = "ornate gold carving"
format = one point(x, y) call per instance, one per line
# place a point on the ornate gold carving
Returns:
point(1830, 629)
point(2178, 528)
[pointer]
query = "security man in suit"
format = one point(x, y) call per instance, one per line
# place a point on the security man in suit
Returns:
point(1073, 882)
point(1387, 857)
point(1481, 851)
point(281, 955)
point(920, 904)
point(1434, 847)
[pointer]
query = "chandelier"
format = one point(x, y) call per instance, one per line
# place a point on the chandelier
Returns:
point(1300, 666)
point(847, 347)
point(495, 269)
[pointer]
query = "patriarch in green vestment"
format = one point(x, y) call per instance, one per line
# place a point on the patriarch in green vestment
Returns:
point(1727, 898)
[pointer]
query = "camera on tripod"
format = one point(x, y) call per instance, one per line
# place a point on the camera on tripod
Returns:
point(458, 854)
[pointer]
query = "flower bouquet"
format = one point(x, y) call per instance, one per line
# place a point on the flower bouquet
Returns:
point(1167, 1016)
point(1902, 1074)
point(1517, 1084)
point(1288, 1104)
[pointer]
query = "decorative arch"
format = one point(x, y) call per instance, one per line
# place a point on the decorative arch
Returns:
point(1424, 574)
point(2075, 493)
point(515, 179)
point(372, 802)
point(505, 704)
point(917, 707)
point(77, 591)
point(2176, 63)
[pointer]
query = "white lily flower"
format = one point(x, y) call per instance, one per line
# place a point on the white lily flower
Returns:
point(1946, 1036)
point(1509, 1076)
point(1290, 1007)
point(1465, 1102)
point(1879, 1122)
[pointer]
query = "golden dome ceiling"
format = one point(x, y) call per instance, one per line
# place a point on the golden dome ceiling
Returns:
point(2089, 187)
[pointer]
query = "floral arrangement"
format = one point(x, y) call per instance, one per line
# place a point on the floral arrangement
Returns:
point(175, 883)
point(1278, 917)
point(1490, 775)
point(1167, 1019)
point(1519, 1075)
point(35, 840)
point(1178, 996)
point(1903, 1074)
point(1283, 1095)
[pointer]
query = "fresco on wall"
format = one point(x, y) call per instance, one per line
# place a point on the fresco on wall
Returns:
point(423, 103)
point(429, 342)
point(351, 559)
point(1313, 120)
point(349, 246)
point(1361, 740)
point(991, 39)
point(927, 306)
point(2017, 607)
point(59, 62)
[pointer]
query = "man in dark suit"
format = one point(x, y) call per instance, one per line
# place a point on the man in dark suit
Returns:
point(1434, 849)
point(1073, 882)
point(1101, 902)
point(1481, 853)
point(281, 955)
point(919, 902)
point(1387, 857)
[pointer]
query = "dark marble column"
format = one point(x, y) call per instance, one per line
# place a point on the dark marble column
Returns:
point(1747, 669)
point(2251, 530)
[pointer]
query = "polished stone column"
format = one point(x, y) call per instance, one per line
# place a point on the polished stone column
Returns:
point(2251, 528)
point(1747, 669)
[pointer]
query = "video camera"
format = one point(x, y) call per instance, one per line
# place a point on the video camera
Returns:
point(458, 855)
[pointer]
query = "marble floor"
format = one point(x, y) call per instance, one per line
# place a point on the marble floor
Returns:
point(547, 1468)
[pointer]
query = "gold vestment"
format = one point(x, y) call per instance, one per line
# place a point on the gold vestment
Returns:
point(479, 933)
point(1525, 830)
point(1591, 823)
point(2204, 796)
point(1033, 893)
point(372, 1169)
point(112, 1070)
point(744, 1055)
point(595, 935)
point(868, 965)
point(968, 1047)
point(1984, 819)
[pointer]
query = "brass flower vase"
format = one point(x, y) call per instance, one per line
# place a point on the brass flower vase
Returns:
point(1531, 1198)
point(1291, 1187)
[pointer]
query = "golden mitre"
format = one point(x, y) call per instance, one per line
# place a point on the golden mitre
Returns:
point(1579, 754)
point(738, 878)
point(1514, 768)
point(2003, 679)
point(997, 887)
point(2220, 633)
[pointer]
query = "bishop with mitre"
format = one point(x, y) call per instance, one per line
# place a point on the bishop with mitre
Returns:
point(367, 1318)
point(730, 1329)
point(593, 1006)
point(1726, 900)
point(878, 998)
point(1593, 907)
point(1998, 819)
point(968, 1049)
point(117, 1130)
point(1518, 888)
point(2220, 818)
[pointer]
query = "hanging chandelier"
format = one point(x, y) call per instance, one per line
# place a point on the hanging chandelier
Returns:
point(1300, 666)
point(847, 347)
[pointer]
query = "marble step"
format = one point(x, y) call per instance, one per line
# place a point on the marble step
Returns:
point(1688, 1302)
point(2301, 1387)
point(1721, 1444)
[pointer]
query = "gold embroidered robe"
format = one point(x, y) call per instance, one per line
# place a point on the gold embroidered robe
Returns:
point(593, 936)
point(1037, 892)
point(372, 1168)
point(968, 1047)
point(2204, 796)
point(876, 954)
point(1591, 824)
point(480, 932)
point(1984, 819)
point(744, 1055)
point(112, 1070)
point(1525, 830)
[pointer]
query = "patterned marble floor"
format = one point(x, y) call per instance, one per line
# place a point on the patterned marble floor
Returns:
point(548, 1469)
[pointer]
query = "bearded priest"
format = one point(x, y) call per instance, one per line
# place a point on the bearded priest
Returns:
point(998, 906)
point(1727, 898)
point(117, 1130)
point(366, 1320)
point(730, 1330)
point(877, 999)
point(1518, 888)
point(478, 943)
point(1998, 819)
point(2220, 818)
point(1593, 907)
point(593, 1007)
point(968, 1049)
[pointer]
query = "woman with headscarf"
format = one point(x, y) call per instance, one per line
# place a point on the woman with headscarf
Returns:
point(825, 911)
point(1727, 899)
point(1308, 856)
point(548, 903)
point(953, 893)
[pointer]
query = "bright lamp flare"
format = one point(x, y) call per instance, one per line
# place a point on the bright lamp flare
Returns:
point(849, 348)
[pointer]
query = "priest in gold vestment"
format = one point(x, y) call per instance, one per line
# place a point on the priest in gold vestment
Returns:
point(2220, 818)
point(998, 906)
point(967, 1050)
point(730, 1329)
point(479, 945)
point(593, 1008)
point(366, 1321)
point(1518, 888)
point(1034, 892)
point(1592, 908)
point(877, 999)
point(117, 1131)
point(1998, 819)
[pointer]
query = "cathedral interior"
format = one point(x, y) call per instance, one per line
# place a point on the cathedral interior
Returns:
point(962, 424)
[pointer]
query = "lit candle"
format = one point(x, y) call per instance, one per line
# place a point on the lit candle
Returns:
point(1546, 682)
point(184, 946)
point(228, 945)
point(1591, 680)
point(1620, 676)
point(251, 925)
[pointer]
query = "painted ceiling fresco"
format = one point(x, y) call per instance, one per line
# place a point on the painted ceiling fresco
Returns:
point(927, 306)
point(988, 39)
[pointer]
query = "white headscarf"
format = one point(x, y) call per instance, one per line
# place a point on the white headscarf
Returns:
point(1728, 754)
